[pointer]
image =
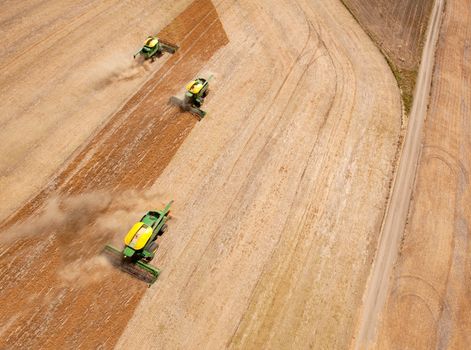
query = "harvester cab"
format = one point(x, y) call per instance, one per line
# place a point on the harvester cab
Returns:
point(155, 47)
point(140, 245)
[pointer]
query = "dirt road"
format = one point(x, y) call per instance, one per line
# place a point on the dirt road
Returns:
point(279, 192)
point(275, 230)
point(429, 300)
point(396, 216)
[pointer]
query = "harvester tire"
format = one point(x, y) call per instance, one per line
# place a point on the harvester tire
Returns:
point(153, 247)
point(163, 230)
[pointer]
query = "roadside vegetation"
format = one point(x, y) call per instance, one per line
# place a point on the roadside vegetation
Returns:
point(398, 36)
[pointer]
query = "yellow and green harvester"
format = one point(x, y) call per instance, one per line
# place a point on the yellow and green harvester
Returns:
point(155, 47)
point(140, 245)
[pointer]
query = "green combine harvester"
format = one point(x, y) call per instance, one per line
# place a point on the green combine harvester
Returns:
point(196, 92)
point(140, 246)
point(155, 47)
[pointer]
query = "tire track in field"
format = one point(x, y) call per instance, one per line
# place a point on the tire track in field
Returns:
point(243, 182)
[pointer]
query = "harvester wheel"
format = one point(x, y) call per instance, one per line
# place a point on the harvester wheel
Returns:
point(153, 247)
point(163, 229)
point(206, 93)
point(199, 102)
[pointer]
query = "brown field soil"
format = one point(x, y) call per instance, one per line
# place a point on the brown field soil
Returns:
point(70, 295)
point(398, 28)
point(279, 192)
point(429, 302)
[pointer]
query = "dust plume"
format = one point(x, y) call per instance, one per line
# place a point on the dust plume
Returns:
point(71, 214)
point(135, 69)
point(60, 215)
point(79, 226)
point(82, 272)
point(123, 69)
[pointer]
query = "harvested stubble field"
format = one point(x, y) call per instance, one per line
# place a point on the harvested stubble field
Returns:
point(279, 192)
